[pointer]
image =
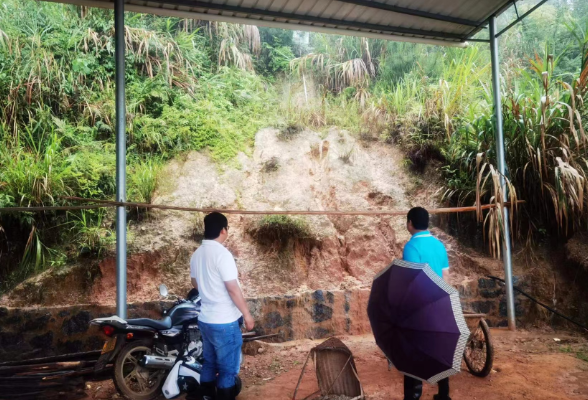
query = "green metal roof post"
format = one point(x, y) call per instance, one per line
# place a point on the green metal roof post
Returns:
point(121, 153)
point(506, 250)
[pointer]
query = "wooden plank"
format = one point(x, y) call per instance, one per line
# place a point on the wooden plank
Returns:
point(59, 370)
point(58, 394)
point(63, 357)
point(40, 368)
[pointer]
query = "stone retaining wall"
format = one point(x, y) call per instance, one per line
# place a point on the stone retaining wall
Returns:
point(38, 332)
point(486, 296)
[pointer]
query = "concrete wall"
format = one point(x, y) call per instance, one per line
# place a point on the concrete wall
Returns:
point(38, 332)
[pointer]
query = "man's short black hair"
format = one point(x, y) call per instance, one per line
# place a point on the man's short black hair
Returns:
point(419, 217)
point(214, 224)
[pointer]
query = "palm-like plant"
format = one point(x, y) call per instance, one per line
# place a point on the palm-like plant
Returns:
point(547, 150)
point(348, 62)
point(237, 43)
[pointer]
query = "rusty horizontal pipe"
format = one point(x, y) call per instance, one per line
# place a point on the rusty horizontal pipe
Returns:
point(111, 203)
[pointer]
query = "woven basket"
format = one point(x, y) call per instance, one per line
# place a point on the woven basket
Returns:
point(335, 369)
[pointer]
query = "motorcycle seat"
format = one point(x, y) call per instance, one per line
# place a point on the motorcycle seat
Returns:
point(160, 324)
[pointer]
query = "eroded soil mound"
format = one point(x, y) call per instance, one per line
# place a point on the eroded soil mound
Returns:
point(298, 171)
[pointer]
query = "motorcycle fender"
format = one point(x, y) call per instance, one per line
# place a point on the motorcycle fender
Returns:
point(170, 387)
point(120, 343)
point(107, 358)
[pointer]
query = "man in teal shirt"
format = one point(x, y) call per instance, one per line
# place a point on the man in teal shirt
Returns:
point(424, 248)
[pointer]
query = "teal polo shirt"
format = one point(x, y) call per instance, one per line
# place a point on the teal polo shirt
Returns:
point(424, 248)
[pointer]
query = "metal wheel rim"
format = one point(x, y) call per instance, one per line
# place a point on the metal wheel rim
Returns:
point(476, 351)
point(139, 380)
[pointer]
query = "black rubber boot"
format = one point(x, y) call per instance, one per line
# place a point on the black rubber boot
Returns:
point(413, 388)
point(208, 390)
point(226, 393)
point(443, 390)
point(193, 395)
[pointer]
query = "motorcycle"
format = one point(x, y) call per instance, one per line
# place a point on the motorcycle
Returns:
point(144, 351)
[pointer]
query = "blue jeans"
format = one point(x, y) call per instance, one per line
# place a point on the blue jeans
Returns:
point(222, 353)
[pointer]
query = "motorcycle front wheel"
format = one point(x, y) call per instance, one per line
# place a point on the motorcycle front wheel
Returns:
point(133, 381)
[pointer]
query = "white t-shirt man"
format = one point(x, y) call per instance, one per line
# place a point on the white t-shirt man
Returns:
point(212, 265)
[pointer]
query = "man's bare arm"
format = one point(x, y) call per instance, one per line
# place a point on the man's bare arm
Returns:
point(239, 300)
point(194, 283)
point(446, 275)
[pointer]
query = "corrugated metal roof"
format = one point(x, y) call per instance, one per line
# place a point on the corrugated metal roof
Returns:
point(449, 22)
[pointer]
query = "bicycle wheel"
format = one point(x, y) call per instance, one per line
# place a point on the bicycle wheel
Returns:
point(479, 352)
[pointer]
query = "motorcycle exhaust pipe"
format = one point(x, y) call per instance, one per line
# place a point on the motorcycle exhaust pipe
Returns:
point(157, 362)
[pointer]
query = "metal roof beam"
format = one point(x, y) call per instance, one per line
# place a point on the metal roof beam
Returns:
point(411, 11)
point(519, 19)
point(484, 25)
point(309, 18)
point(479, 40)
point(172, 12)
point(509, 26)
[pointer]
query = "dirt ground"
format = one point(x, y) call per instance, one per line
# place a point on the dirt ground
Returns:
point(528, 365)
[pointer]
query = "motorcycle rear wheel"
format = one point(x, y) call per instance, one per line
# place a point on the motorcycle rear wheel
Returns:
point(133, 381)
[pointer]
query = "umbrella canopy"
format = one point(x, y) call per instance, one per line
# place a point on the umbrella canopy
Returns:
point(417, 321)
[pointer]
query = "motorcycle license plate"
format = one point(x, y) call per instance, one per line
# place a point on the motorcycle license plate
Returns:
point(109, 345)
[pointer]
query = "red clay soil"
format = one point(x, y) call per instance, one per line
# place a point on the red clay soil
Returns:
point(143, 277)
point(528, 365)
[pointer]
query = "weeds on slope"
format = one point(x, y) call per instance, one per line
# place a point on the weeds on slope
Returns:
point(187, 89)
point(451, 120)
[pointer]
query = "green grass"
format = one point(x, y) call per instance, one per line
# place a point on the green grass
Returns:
point(280, 231)
point(143, 179)
point(580, 352)
point(89, 233)
point(582, 355)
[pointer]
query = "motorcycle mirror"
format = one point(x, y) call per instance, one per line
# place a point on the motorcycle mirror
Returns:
point(163, 290)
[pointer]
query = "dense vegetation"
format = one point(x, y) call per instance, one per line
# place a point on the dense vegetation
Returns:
point(437, 104)
point(210, 86)
point(189, 87)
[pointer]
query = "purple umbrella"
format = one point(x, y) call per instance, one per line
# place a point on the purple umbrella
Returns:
point(417, 321)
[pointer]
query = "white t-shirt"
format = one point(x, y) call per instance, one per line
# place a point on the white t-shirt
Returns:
point(212, 265)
